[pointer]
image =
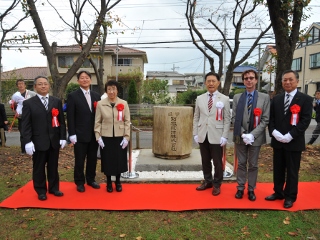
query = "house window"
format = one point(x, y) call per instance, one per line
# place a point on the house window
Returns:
point(315, 60)
point(65, 61)
point(237, 79)
point(296, 64)
point(87, 64)
point(123, 62)
point(177, 82)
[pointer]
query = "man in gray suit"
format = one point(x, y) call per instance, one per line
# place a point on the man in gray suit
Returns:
point(211, 124)
point(250, 114)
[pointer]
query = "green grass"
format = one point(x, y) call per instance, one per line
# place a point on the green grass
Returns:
point(207, 224)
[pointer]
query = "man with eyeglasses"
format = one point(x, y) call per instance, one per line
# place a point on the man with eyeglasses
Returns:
point(250, 115)
point(80, 119)
point(290, 116)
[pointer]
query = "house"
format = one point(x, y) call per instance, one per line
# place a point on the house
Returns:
point(306, 60)
point(118, 61)
point(28, 74)
point(177, 82)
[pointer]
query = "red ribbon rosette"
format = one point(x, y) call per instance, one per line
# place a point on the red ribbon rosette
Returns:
point(120, 108)
point(95, 103)
point(295, 109)
point(257, 113)
point(55, 113)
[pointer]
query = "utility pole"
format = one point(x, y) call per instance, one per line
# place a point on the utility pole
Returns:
point(224, 52)
point(117, 50)
point(204, 67)
point(259, 68)
point(174, 68)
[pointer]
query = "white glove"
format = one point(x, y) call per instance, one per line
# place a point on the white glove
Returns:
point(73, 139)
point(101, 143)
point(223, 141)
point(277, 135)
point(287, 138)
point(30, 148)
point(63, 143)
point(124, 143)
point(248, 139)
point(196, 138)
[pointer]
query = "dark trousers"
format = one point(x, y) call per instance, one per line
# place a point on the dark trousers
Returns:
point(41, 160)
point(83, 151)
point(211, 151)
point(23, 150)
point(286, 165)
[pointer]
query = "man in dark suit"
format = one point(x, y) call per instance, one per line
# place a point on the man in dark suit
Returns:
point(44, 132)
point(290, 116)
point(3, 122)
point(80, 116)
point(316, 107)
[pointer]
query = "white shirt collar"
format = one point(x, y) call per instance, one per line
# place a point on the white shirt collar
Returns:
point(84, 91)
point(40, 96)
point(292, 93)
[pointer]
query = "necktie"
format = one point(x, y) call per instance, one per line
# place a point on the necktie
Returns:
point(210, 102)
point(286, 104)
point(249, 103)
point(88, 97)
point(45, 103)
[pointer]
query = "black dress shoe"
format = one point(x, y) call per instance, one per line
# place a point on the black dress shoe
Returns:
point(273, 197)
point(118, 187)
point(251, 196)
point(288, 204)
point(57, 193)
point(204, 186)
point(239, 194)
point(94, 185)
point(42, 197)
point(109, 187)
point(80, 188)
point(215, 191)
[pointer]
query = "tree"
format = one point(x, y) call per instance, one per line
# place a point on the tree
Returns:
point(286, 17)
point(8, 24)
point(77, 8)
point(243, 10)
point(155, 91)
point(132, 93)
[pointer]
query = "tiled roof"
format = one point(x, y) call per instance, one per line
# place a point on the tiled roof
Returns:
point(109, 48)
point(26, 73)
point(241, 69)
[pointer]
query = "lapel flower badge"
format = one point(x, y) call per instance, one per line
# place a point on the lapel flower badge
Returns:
point(295, 109)
point(95, 103)
point(257, 115)
point(120, 108)
point(219, 114)
point(55, 113)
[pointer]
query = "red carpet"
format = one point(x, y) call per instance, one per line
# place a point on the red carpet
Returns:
point(169, 197)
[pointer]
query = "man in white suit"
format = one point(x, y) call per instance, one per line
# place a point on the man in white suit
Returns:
point(211, 124)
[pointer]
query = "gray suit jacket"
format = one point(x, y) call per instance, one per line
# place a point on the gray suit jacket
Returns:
point(205, 123)
point(259, 132)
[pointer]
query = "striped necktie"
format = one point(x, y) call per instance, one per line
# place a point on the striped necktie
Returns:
point(45, 103)
point(287, 103)
point(210, 102)
point(249, 103)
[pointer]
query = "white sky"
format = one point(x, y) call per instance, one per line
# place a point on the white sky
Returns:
point(144, 21)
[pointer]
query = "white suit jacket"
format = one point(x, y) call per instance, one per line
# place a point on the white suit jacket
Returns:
point(205, 123)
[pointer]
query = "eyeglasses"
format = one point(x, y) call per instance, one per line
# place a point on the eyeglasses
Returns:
point(247, 78)
point(42, 84)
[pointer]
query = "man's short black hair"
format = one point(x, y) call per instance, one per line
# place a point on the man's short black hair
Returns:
point(212, 74)
point(19, 80)
point(83, 71)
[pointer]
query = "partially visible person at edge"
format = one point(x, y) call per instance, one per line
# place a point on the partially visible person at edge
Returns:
point(80, 120)
point(316, 107)
point(26, 94)
point(3, 122)
point(44, 132)
point(211, 124)
point(290, 116)
point(112, 130)
point(250, 112)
